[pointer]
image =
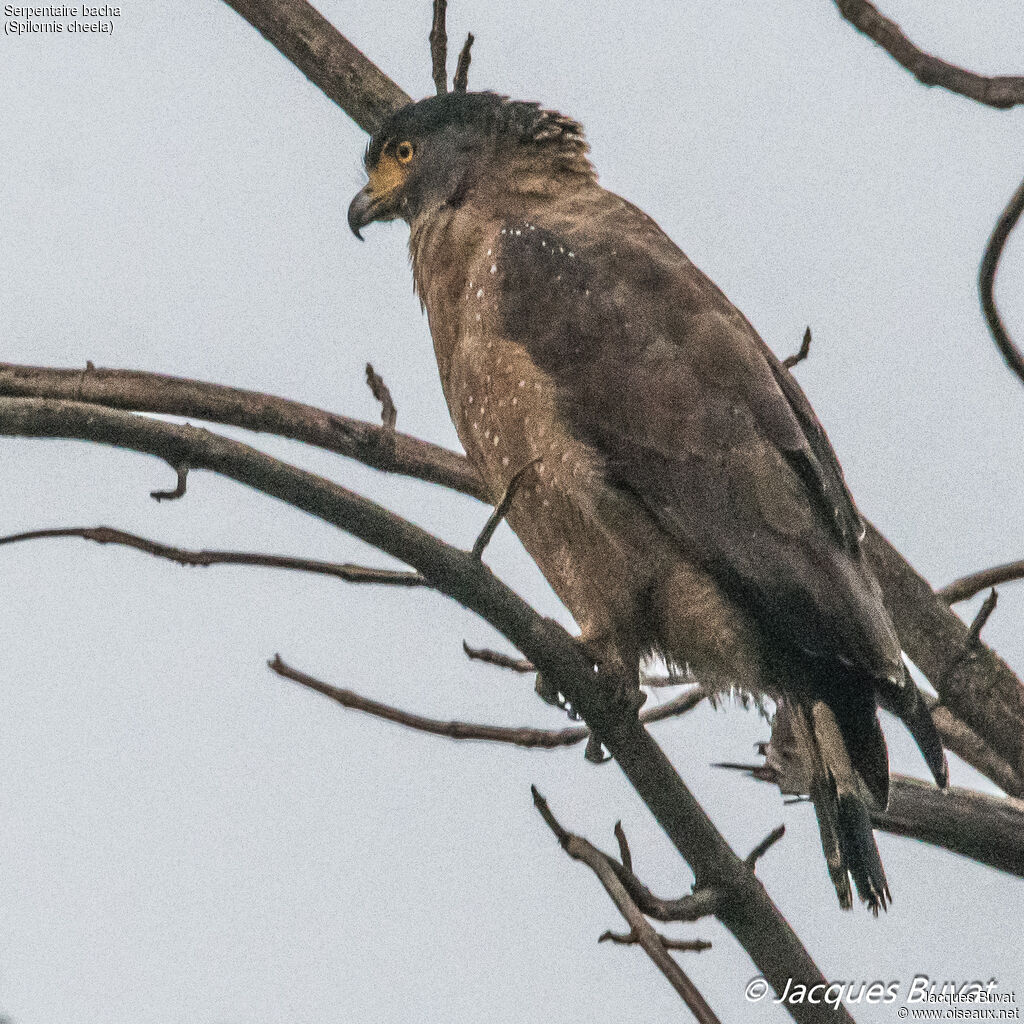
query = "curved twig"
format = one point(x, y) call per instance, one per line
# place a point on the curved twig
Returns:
point(640, 931)
point(108, 535)
point(967, 586)
point(996, 91)
point(986, 282)
point(439, 47)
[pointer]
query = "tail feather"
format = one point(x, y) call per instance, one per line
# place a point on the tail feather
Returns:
point(907, 702)
point(844, 821)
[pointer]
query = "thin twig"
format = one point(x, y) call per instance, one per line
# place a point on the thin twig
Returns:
point(967, 586)
point(632, 939)
point(986, 282)
point(805, 347)
point(520, 737)
point(625, 857)
point(524, 736)
point(108, 535)
point(764, 846)
point(978, 624)
point(489, 657)
point(640, 928)
point(500, 510)
point(461, 80)
point(179, 487)
point(995, 91)
point(439, 47)
point(388, 412)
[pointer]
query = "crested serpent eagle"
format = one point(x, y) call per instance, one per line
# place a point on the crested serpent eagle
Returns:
point(679, 493)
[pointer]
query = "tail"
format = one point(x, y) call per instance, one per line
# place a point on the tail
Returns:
point(841, 799)
point(907, 702)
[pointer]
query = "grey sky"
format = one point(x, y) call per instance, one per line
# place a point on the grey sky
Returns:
point(188, 838)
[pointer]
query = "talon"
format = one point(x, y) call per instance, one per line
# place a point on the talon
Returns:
point(548, 692)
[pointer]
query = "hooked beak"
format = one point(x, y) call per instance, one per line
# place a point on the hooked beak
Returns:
point(364, 209)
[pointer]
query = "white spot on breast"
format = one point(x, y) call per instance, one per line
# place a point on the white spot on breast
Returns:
point(487, 433)
point(545, 503)
point(515, 401)
point(488, 252)
point(478, 317)
point(470, 400)
point(504, 460)
point(480, 293)
point(522, 383)
point(494, 268)
point(496, 439)
point(572, 255)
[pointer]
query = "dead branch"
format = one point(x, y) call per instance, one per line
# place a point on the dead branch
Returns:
point(521, 736)
point(108, 535)
point(979, 689)
point(498, 659)
point(368, 443)
point(987, 277)
point(967, 586)
point(801, 354)
point(380, 391)
point(764, 846)
point(179, 488)
point(988, 606)
point(744, 906)
point(326, 58)
point(995, 91)
point(982, 692)
point(439, 47)
point(963, 741)
point(460, 83)
point(500, 510)
point(640, 930)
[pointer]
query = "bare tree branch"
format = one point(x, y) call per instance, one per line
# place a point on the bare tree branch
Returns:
point(975, 684)
point(500, 510)
point(963, 741)
point(498, 659)
point(439, 47)
point(108, 535)
point(519, 736)
point(996, 91)
point(801, 354)
point(988, 606)
point(639, 928)
point(368, 443)
point(764, 846)
point(986, 282)
point(967, 586)
point(744, 906)
point(326, 58)
point(460, 83)
point(982, 692)
point(380, 391)
point(179, 488)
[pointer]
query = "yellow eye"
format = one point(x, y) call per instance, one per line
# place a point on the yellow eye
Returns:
point(404, 152)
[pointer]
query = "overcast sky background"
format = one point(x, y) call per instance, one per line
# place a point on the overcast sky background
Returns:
point(187, 837)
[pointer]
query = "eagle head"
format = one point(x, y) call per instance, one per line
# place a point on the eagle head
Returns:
point(430, 154)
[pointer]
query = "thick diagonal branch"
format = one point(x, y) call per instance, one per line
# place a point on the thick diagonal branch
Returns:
point(745, 909)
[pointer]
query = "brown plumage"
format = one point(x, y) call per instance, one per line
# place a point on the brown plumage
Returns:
point(684, 500)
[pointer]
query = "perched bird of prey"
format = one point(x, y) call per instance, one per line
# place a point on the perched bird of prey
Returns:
point(678, 492)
